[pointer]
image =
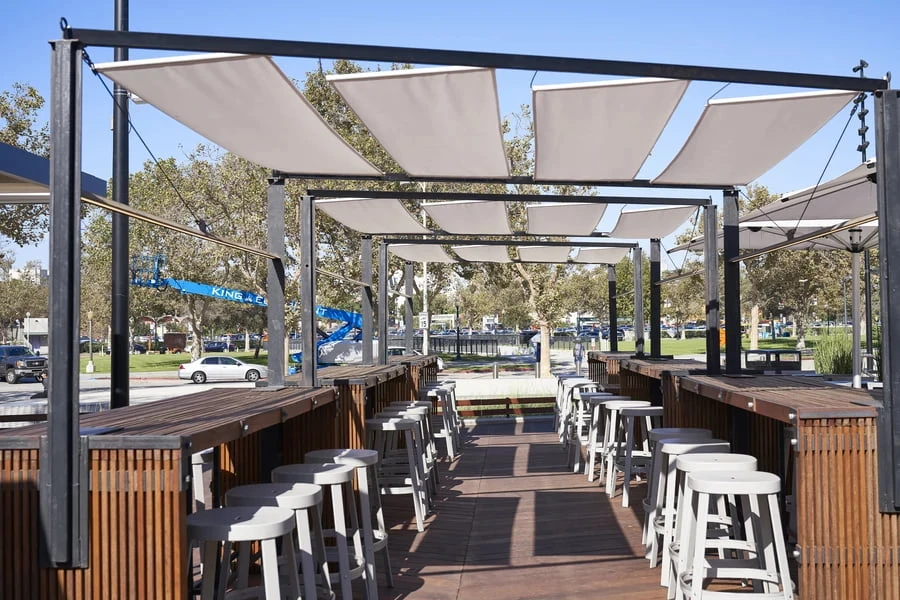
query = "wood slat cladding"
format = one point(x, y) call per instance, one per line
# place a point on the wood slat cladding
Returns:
point(420, 371)
point(821, 439)
point(644, 379)
point(603, 367)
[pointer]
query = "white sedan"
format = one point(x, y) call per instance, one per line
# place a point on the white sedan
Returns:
point(220, 368)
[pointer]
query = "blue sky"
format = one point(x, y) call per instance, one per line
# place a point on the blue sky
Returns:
point(826, 36)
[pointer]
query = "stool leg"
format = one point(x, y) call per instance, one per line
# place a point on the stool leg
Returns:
point(340, 533)
point(289, 550)
point(382, 529)
point(305, 544)
point(318, 548)
point(243, 566)
point(365, 510)
point(210, 559)
point(629, 445)
point(270, 570)
point(774, 514)
point(592, 443)
point(698, 570)
point(418, 503)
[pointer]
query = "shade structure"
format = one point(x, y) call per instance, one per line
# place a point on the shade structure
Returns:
point(244, 104)
point(25, 178)
point(600, 256)
point(757, 237)
point(435, 122)
point(372, 215)
point(470, 217)
point(737, 140)
point(561, 218)
point(650, 223)
point(482, 254)
point(544, 254)
point(421, 253)
point(601, 130)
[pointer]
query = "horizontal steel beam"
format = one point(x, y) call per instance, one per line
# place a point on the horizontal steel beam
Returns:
point(807, 238)
point(398, 54)
point(445, 196)
point(504, 242)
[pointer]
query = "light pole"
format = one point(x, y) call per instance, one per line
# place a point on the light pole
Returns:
point(27, 328)
point(457, 329)
point(90, 364)
point(844, 281)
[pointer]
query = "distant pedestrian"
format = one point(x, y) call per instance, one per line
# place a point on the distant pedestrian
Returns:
point(578, 355)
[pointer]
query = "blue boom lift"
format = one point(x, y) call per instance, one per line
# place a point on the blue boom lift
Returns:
point(146, 271)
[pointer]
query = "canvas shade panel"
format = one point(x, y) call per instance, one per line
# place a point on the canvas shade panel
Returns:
point(600, 256)
point(737, 140)
point(435, 122)
point(562, 218)
point(482, 254)
point(600, 131)
point(472, 217)
point(544, 254)
point(372, 215)
point(651, 223)
point(244, 104)
point(420, 253)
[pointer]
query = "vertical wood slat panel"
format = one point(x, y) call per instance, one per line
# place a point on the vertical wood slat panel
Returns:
point(19, 572)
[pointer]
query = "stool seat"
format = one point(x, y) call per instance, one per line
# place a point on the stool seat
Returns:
point(660, 432)
point(745, 483)
point(391, 424)
point(322, 474)
point(295, 496)
point(345, 456)
point(240, 523)
point(715, 461)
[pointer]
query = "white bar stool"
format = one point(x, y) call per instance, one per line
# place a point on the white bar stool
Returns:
point(383, 436)
point(375, 535)
point(767, 567)
point(596, 402)
point(244, 524)
point(610, 423)
point(338, 479)
point(629, 458)
point(722, 525)
point(305, 499)
point(428, 450)
point(663, 524)
point(561, 410)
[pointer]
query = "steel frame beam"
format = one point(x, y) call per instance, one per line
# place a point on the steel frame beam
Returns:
point(383, 276)
point(398, 54)
point(308, 290)
point(711, 258)
point(613, 313)
point(655, 299)
point(275, 283)
point(450, 196)
point(409, 273)
point(63, 491)
point(638, 257)
point(732, 276)
point(480, 242)
point(368, 302)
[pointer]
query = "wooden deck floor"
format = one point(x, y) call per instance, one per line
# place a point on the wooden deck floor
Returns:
point(512, 523)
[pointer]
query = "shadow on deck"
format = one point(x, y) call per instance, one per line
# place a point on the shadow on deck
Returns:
point(511, 522)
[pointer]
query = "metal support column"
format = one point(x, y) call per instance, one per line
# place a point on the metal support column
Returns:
point(409, 275)
point(277, 360)
point(383, 277)
point(732, 276)
point(638, 301)
point(711, 255)
point(120, 350)
point(887, 136)
point(867, 268)
point(308, 290)
point(63, 485)
point(856, 352)
point(368, 302)
point(655, 299)
point(613, 314)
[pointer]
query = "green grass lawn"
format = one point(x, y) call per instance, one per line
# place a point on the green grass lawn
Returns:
point(153, 363)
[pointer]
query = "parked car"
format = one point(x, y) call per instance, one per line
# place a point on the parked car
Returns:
point(213, 346)
point(221, 368)
point(20, 361)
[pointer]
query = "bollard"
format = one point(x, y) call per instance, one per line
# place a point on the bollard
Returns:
point(537, 370)
point(496, 371)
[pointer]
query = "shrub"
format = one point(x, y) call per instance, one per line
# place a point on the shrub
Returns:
point(834, 354)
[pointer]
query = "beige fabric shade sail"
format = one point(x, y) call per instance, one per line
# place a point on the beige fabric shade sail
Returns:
point(544, 254)
point(600, 256)
point(651, 223)
point(244, 104)
point(561, 218)
point(372, 215)
point(482, 254)
point(435, 122)
point(470, 217)
point(421, 253)
point(737, 140)
point(600, 131)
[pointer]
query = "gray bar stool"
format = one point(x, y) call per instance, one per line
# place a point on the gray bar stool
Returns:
point(383, 436)
point(245, 524)
point(375, 535)
point(305, 499)
point(338, 479)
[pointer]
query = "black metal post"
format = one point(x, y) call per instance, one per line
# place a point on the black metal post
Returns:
point(368, 301)
point(383, 277)
point(867, 267)
point(308, 290)
point(457, 330)
point(63, 489)
point(711, 257)
point(613, 314)
point(410, 329)
point(119, 342)
point(887, 136)
point(732, 275)
point(638, 301)
point(275, 284)
point(655, 299)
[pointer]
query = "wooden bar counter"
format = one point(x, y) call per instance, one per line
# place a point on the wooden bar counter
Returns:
point(420, 371)
point(139, 485)
point(821, 440)
point(643, 379)
point(603, 367)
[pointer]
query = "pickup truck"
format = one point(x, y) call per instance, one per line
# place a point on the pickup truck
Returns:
point(19, 361)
